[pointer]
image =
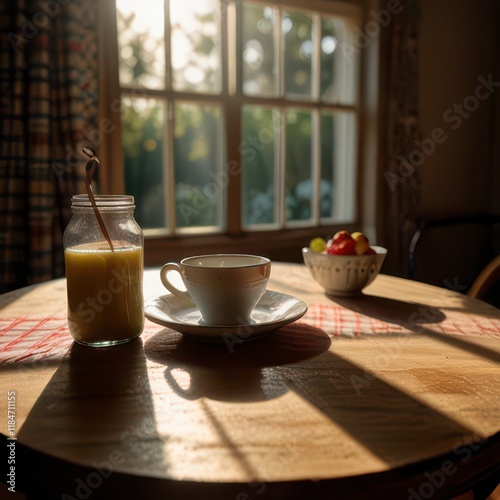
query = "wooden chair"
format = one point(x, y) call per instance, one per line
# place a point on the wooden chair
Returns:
point(453, 252)
point(485, 285)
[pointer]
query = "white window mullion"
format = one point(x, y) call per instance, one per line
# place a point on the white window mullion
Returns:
point(280, 169)
point(168, 161)
point(280, 50)
point(316, 61)
point(316, 165)
point(168, 150)
point(230, 40)
point(316, 121)
point(280, 157)
point(168, 54)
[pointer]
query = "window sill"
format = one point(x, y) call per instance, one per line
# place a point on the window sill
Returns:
point(281, 245)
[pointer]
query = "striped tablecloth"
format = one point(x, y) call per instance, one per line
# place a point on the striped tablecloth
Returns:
point(45, 339)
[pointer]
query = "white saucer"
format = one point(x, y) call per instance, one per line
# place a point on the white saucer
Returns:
point(273, 311)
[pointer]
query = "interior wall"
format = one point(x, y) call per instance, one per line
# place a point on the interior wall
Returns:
point(459, 111)
point(458, 49)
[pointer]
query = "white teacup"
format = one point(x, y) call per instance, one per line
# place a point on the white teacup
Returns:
point(224, 287)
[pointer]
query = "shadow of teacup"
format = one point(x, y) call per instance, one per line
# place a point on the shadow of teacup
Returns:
point(241, 372)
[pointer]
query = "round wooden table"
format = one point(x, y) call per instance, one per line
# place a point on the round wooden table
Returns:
point(391, 394)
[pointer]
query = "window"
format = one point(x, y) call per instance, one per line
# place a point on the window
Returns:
point(238, 116)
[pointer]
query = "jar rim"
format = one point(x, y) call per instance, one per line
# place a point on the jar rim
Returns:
point(103, 200)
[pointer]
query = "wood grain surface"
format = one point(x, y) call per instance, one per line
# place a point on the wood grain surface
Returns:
point(301, 410)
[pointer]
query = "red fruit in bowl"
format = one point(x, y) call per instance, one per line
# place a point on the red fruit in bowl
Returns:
point(345, 247)
point(369, 251)
point(340, 236)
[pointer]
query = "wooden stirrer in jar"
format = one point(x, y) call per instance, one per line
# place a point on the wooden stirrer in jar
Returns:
point(89, 172)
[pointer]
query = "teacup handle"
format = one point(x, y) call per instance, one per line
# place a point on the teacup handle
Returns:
point(173, 266)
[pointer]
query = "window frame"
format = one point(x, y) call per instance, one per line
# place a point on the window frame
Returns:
point(275, 242)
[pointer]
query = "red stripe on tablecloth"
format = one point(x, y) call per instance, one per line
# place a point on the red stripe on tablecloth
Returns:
point(47, 341)
point(25, 334)
point(471, 326)
point(337, 321)
point(34, 339)
point(13, 323)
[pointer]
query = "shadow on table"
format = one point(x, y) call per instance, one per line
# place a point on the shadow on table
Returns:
point(414, 317)
point(76, 409)
point(98, 404)
point(381, 417)
point(389, 310)
point(396, 427)
point(12, 296)
point(297, 358)
point(233, 370)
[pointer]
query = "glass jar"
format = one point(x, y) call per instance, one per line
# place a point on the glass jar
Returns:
point(104, 285)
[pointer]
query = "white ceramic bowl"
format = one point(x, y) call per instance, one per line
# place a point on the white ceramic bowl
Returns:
point(344, 274)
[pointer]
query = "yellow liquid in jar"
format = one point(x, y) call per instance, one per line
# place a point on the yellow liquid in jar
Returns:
point(105, 300)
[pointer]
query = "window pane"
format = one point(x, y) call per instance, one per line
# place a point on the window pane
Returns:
point(257, 155)
point(142, 137)
point(338, 153)
point(195, 53)
point(338, 63)
point(198, 164)
point(141, 45)
point(298, 161)
point(298, 56)
point(298, 166)
point(259, 63)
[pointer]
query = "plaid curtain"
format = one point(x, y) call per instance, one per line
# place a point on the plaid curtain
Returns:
point(402, 170)
point(48, 78)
